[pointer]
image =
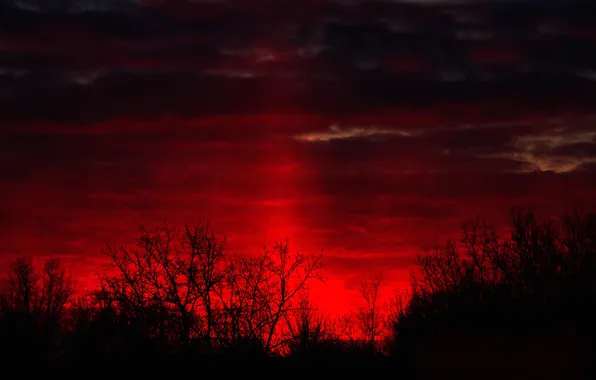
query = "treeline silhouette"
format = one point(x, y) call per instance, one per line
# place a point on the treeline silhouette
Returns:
point(482, 306)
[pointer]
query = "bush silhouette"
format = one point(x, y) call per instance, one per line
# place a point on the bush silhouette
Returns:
point(529, 294)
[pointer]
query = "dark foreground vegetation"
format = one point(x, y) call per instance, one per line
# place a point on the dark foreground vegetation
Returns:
point(483, 306)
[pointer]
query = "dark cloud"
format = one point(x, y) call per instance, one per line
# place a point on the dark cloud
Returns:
point(579, 149)
point(90, 60)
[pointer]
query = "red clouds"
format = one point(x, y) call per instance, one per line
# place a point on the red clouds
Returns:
point(370, 200)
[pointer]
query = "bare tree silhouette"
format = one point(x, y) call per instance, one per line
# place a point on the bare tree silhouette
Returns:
point(370, 317)
point(37, 294)
point(20, 292)
point(154, 283)
point(260, 291)
point(207, 272)
point(31, 307)
point(180, 285)
point(57, 287)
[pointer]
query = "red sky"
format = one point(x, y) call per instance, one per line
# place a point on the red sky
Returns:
point(352, 129)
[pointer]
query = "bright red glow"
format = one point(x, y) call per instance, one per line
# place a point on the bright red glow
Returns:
point(370, 205)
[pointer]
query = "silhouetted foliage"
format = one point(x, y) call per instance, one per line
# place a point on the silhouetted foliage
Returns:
point(482, 307)
point(370, 317)
point(309, 333)
point(537, 285)
point(179, 287)
point(31, 307)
